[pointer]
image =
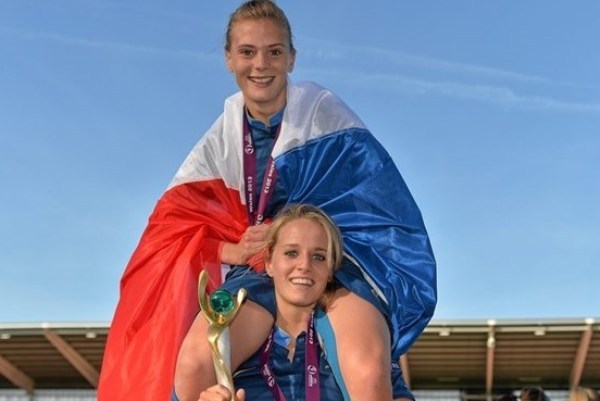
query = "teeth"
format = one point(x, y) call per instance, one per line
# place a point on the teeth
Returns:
point(261, 80)
point(301, 281)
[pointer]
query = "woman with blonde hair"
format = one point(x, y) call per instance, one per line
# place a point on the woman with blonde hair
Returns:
point(584, 394)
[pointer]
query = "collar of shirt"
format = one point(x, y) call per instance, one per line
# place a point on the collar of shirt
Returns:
point(281, 337)
point(275, 120)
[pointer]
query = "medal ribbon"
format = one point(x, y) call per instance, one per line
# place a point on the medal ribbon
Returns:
point(311, 366)
point(256, 213)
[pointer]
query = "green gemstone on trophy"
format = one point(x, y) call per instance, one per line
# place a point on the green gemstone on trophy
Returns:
point(222, 302)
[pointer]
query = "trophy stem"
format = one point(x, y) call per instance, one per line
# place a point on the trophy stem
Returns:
point(221, 353)
point(218, 329)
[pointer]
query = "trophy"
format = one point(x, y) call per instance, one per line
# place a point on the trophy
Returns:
point(220, 309)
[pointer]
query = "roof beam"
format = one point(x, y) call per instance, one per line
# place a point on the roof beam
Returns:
point(491, 353)
point(74, 357)
point(405, 369)
point(16, 376)
point(581, 356)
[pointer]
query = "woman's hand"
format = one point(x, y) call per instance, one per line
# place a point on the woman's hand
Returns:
point(252, 240)
point(221, 393)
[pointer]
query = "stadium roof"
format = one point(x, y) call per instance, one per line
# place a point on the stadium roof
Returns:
point(476, 356)
point(34, 356)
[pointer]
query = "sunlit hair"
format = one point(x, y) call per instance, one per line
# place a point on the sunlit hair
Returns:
point(334, 253)
point(256, 10)
point(584, 394)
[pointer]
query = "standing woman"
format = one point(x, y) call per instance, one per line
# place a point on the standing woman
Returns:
point(274, 144)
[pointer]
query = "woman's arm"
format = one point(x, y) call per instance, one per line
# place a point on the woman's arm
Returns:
point(195, 372)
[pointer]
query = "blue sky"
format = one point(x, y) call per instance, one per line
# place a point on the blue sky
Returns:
point(491, 111)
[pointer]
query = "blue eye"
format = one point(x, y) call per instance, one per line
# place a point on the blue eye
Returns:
point(320, 258)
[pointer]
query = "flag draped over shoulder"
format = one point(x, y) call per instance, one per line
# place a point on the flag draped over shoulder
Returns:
point(202, 207)
point(324, 156)
point(331, 160)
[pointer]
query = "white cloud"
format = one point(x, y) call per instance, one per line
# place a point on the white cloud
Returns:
point(336, 51)
point(111, 46)
point(485, 93)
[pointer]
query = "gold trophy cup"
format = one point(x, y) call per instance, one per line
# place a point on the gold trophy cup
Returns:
point(220, 309)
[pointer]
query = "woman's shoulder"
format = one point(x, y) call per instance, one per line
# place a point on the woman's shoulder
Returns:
point(310, 90)
point(313, 111)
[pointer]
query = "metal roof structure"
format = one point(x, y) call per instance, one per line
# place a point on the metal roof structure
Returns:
point(489, 357)
point(51, 356)
point(478, 357)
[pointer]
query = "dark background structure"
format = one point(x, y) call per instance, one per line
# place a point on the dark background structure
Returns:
point(479, 358)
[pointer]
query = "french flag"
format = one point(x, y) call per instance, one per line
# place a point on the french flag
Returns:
point(324, 156)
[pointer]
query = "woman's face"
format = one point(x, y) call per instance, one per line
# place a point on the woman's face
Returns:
point(260, 58)
point(298, 263)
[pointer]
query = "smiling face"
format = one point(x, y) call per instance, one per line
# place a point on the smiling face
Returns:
point(260, 57)
point(299, 265)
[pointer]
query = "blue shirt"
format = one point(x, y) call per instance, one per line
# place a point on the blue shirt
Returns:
point(289, 374)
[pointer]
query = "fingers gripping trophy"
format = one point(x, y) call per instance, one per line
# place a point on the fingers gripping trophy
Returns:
point(220, 309)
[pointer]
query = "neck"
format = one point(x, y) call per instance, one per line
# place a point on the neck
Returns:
point(293, 320)
point(264, 118)
point(263, 113)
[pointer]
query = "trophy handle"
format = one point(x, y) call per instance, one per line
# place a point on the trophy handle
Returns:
point(203, 297)
point(218, 339)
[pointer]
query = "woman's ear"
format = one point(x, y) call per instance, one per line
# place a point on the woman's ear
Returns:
point(228, 61)
point(268, 266)
point(291, 61)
